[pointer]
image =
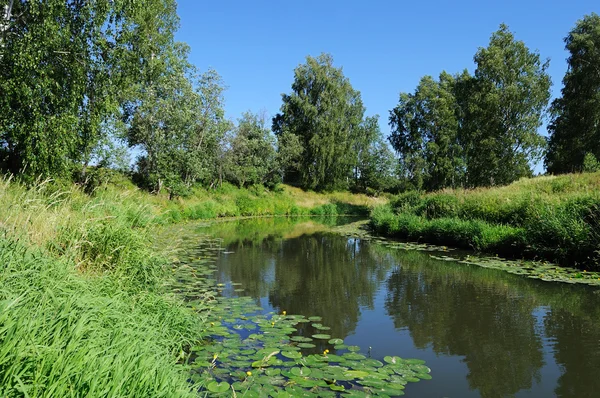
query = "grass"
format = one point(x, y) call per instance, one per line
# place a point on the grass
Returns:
point(84, 307)
point(552, 218)
point(83, 311)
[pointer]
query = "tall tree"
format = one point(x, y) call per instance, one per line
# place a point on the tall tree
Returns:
point(575, 116)
point(42, 80)
point(251, 153)
point(325, 113)
point(66, 69)
point(425, 134)
point(506, 103)
point(376, 162)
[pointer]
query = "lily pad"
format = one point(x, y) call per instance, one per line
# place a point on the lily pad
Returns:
point(300, 371)
point(217, 387)
point(292, 354)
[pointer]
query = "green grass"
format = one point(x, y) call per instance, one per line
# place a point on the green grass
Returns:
point(83, 310)
point(552, 218)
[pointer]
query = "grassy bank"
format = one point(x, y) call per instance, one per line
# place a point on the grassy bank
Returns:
point(552, 218)
point(83, 306)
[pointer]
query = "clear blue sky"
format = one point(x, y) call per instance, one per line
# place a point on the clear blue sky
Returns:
point(384, 47)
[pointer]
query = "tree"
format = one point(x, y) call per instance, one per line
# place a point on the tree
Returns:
point(67, 69)
point(204, 144)
point(376, 161)
point(178, 123)
point(504, 108)
point(325, 113)
point(251, 156)
point(575, 117)
point(425, 134)
point(42, 80)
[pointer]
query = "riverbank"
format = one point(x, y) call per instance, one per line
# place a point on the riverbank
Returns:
point(84, 306)
point(550, 218)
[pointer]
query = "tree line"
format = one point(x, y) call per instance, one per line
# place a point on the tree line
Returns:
point(92, 83)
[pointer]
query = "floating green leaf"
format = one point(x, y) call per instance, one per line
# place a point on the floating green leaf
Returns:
point(218, 387)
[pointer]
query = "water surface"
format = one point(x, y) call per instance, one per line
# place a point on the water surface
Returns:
point(483, 332)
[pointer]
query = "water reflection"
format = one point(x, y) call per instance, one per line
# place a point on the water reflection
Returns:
point(517, 337)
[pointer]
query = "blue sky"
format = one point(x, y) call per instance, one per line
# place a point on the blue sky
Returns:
point(384, 47)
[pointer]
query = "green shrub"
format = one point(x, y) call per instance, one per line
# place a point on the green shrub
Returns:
point(437, 206)
point(406, 201)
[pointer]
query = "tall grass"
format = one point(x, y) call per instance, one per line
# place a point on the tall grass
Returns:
point(83, 311)
point(229, 201)
point(553, 218)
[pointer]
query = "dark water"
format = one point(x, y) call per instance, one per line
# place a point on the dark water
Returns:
point(484, 333)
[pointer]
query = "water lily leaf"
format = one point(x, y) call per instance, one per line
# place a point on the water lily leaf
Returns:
point(336, 387)
point(292, 354)
point(217, 387)
point(354, 356)
point(321, 336)
point(306, 345)
point(301, 339)
point(393, 360)
point(414, 361)
point(282, 394)
point(356, 373)
point(372, 362)
point(353, 348)
point(300, 371)
point(390, 391)
point(336, 341)
point(273, 372)
point(356, 394)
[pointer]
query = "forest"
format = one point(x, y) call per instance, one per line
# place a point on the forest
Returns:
point(99, 85)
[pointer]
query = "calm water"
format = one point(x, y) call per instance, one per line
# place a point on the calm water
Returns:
point(484, 333)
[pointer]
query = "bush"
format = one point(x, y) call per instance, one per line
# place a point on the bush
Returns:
point(437, 206)
point(406, 201)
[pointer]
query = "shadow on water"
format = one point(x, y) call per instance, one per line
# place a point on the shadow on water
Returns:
point(482, 331)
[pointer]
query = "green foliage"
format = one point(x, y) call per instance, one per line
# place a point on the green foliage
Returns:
point(84, 310)
point(63, 334)
point(590, 163)
point(177, 119)
point(251, 156)
point(325, 113)
point(375, 168)
point(439, 206)
point(556, 219)
point(574, 129)
point(425, 134)
point(474, 130)
point(505, 108)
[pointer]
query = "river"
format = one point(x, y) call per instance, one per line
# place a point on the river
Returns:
point(483, 332)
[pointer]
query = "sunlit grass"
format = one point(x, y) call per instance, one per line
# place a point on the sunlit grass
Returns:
point(555, 218)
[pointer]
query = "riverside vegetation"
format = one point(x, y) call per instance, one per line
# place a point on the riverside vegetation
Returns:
point(88, 307)
point(548, 218)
